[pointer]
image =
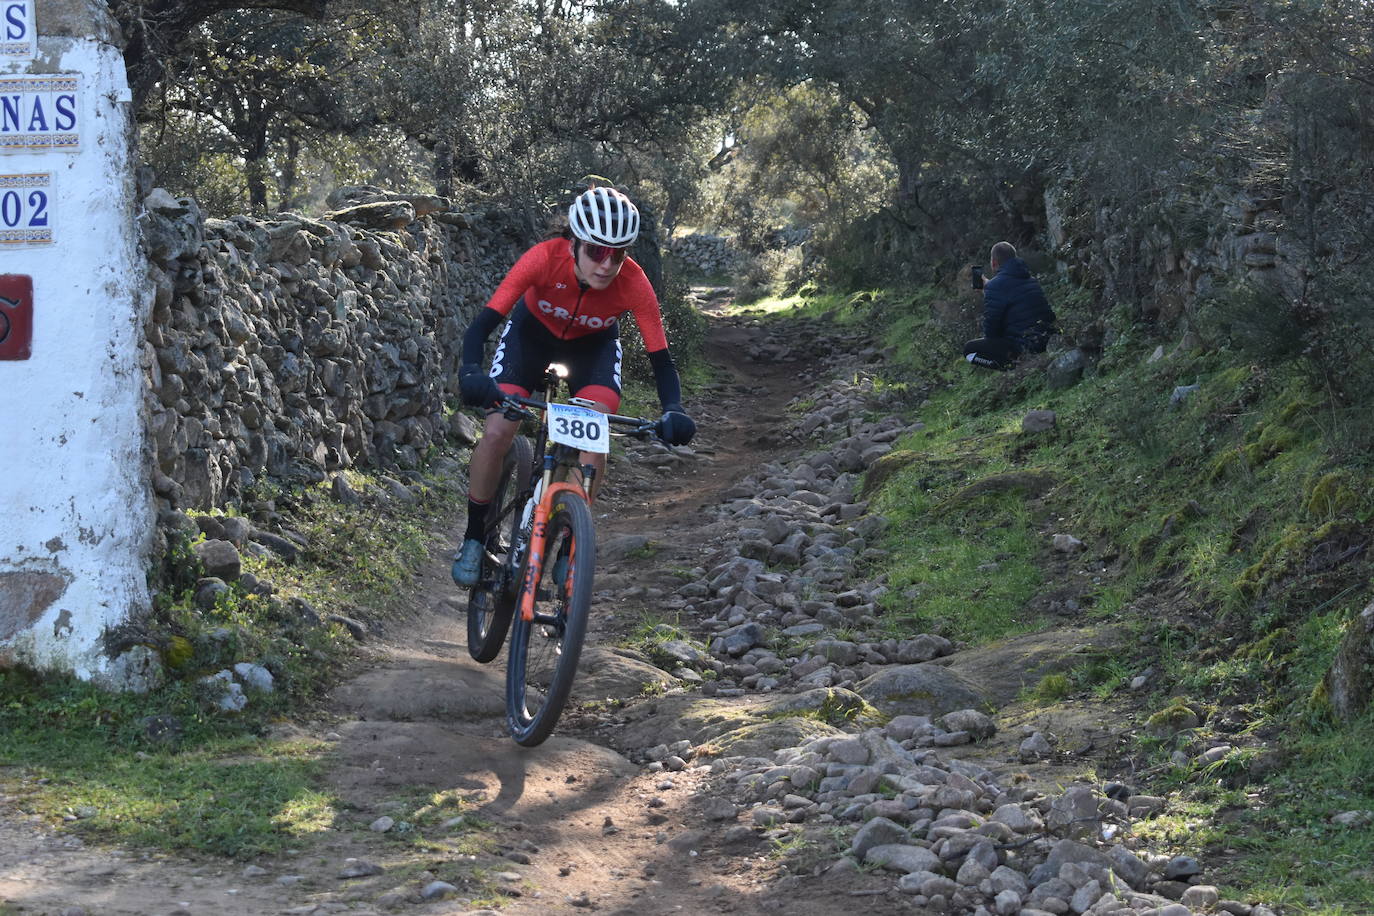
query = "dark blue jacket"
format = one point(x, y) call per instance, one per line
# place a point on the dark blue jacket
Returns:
point(1015, 307)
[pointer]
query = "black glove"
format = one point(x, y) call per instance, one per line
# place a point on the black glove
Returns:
point(477, 388)
point(675, 427)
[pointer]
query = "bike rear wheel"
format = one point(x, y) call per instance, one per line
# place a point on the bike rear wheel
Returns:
point(491, 602)
point(544, 651)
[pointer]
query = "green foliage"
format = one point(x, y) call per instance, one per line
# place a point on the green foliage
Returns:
point(1118, 133)
point(1255, 321)
point(277, 106)
point(1288, 850)
point(1052, 687)
point(684, 326)
point(794, 158)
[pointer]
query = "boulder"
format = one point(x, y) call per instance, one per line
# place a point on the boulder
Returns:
point(763, 738)
point(1066, 369)
point(1349, 683)
point(603, 674)
point(921, 690)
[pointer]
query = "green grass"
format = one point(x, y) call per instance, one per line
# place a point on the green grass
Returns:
point(1291, 852)
point(651, 632)
point(217, 781)
point(801, 305)
point(1275, 841)
point(965, 567)
point(219, 788)
point(1051, 688)
point(357, 560)
point(1103, 676)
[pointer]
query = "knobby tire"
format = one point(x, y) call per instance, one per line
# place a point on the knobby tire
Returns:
point(543, 654)
point(491, 602)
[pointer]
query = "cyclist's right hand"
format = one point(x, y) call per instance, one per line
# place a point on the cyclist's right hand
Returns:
point(476, 387)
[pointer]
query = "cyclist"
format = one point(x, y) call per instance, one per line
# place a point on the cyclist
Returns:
point(563, 299)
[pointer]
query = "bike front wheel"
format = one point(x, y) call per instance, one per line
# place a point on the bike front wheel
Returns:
point(544, 651)
point(492, 600)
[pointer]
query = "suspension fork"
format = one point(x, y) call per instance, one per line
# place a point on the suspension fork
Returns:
point(534, 563)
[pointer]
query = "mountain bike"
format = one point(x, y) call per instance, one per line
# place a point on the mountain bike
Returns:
point(542, 512)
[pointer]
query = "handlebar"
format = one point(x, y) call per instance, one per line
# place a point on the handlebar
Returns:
point(518, 407)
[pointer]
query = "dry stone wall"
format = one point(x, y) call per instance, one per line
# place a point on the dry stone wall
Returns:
point(291, 346)
point(1165, 266)
point(710, 254)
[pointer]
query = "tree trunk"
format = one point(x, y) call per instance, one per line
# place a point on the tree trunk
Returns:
point(908, 180)
point(255, 158)
point(286, 185)
point(255, 170)
point(443, 169)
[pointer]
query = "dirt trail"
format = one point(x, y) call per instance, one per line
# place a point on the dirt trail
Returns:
point(576, 826)
point(600, 832)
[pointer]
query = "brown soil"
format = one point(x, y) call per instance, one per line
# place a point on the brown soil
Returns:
point(582, 826)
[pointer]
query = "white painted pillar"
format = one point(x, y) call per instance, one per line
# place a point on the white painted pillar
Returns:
point(76, 509)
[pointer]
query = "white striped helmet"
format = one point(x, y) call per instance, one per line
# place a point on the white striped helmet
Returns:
point(604, 216)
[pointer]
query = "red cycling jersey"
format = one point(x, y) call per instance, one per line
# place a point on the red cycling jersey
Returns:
point(544, 276)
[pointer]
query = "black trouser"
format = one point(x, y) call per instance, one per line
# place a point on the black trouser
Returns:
point(992, 352)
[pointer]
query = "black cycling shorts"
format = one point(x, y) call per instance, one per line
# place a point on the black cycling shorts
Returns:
point(526, 348)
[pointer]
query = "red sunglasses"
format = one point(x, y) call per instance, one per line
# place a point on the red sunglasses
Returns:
point(599, 253)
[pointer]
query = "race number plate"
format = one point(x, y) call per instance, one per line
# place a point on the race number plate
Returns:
point(580, 427)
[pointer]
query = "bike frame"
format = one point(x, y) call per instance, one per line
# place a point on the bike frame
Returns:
point(543, 494)
point(534, 563)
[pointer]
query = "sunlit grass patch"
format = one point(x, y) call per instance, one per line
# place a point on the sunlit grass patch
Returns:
point(1191, 822)
point(171, 770)
point(968, 577)
point(88, 759)
point(1284, 841)
point(355, 559)
point(808, 303)
point(1293, 852)
point(1050, 688)
point(202, 802)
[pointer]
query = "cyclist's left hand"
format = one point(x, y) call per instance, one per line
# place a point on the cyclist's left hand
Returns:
point(675, 427)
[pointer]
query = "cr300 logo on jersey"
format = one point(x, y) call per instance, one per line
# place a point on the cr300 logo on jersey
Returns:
point(562, 314)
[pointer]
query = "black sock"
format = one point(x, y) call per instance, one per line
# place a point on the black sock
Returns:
point(477, 520)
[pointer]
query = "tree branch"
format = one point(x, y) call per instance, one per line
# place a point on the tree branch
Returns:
point(154, 31)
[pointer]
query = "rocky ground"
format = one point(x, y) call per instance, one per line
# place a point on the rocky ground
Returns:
point(763, 745)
